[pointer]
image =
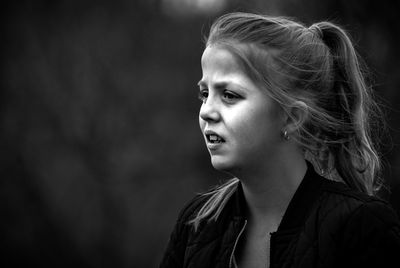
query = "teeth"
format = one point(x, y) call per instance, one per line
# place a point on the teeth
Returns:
point(214, 138)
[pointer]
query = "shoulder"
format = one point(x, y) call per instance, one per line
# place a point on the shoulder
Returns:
point(360, 230)
point(363, 227)
point(176, 247)
point(191, 207)
point(339, 208)
point(338, 198)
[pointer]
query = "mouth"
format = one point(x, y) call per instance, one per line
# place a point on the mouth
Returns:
point(213, 138)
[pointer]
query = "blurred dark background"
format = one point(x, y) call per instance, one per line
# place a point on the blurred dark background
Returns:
point(100, 144)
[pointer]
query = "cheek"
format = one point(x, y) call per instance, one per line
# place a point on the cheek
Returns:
point(257, 127)
point(201, 123)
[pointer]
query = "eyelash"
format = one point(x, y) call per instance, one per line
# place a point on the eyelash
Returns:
point(228, 96)
point(202, 94)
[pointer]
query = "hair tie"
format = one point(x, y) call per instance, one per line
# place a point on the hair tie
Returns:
point(315, 29)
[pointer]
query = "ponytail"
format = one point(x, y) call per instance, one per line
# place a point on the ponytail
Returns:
point(356, 160)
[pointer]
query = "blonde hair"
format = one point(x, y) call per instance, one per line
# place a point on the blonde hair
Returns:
point(315, 69)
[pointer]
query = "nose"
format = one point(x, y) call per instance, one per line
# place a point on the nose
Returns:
point(209, 110)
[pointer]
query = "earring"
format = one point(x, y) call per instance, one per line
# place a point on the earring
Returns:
point(286, 135)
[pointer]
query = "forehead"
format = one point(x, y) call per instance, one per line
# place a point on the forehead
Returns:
point(220, 59)
point(222, 67)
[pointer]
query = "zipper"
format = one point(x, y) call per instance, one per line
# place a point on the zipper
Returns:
point(271, 249)
point(236, 241)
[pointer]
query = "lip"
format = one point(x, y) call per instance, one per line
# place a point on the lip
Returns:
point(212, 146)
point(211, 132)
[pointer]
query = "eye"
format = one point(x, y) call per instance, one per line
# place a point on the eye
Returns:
point(229, 96)
point(203, 95)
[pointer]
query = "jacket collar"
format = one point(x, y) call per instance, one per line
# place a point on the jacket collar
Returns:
point(299, 206)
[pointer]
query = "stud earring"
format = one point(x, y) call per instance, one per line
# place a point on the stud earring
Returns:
point(286, 135)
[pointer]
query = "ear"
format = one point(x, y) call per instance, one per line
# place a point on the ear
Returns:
point(296, 117)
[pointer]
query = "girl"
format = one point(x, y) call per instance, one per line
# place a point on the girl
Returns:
point(286, 111)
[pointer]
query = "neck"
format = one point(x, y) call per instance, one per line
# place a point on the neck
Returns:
point(269, 190)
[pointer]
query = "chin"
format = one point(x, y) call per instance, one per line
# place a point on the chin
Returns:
point(222, 165)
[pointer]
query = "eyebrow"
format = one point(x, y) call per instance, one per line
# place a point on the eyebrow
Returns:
point(221, 84)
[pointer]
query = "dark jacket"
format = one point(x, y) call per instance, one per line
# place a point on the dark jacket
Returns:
point(325, 225)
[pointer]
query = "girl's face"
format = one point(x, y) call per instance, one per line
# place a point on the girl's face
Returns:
point(241, 124)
